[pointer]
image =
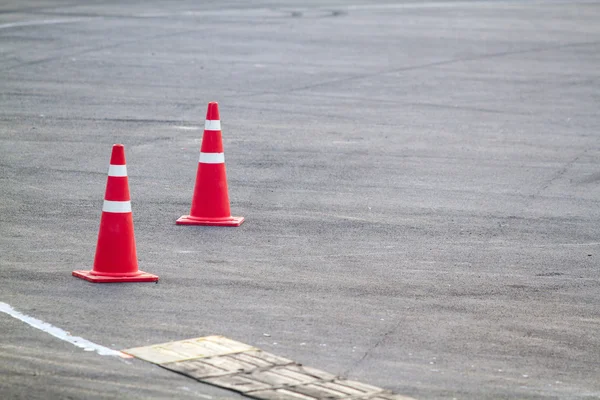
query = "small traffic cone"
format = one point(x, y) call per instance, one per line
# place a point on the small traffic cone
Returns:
point(116, 258)
point(210, 203)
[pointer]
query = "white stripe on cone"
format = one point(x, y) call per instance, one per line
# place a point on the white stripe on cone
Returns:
point(116, 206)
point(212, 125)
point(117, 170)
point(212, 158)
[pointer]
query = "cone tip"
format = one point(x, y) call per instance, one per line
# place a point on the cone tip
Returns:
point(118, 155)
point(212, 113)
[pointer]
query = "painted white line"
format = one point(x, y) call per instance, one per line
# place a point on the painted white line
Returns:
point(59, 333)
point(212, 158)
point(212, 125)
point(117, 170)
point(187, 128)
point(116, 206)
point(39, 22)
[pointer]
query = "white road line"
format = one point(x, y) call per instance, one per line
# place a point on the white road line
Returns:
point(59, 333)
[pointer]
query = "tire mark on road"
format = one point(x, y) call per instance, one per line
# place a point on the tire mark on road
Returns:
point(428, 65)
point(31, 9)
point(39, 22)
point(98, 48)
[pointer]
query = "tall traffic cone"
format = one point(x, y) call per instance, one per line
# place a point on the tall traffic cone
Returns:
point(116, 258)
point(210, 203)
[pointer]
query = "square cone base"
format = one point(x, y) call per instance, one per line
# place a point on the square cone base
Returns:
point(189, 220)
point(142, 277)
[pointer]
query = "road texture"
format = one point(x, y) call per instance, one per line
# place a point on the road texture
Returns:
point(420, 182)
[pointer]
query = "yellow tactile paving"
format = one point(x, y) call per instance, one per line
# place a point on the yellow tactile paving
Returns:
point(190, 349)
point(233, 365)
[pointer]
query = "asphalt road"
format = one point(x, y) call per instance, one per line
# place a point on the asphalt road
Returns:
point(420, 182)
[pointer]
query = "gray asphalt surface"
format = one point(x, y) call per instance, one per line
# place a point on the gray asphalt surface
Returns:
point(420, 182)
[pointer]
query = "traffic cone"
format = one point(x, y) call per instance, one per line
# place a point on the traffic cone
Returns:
point(210, 203)
point(116, 258)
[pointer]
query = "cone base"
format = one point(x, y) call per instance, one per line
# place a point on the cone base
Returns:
point(189, 220)
point(142, 277)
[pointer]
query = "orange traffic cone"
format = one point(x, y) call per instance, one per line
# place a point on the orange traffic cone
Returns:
point(116, 258)
point(210, 203)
